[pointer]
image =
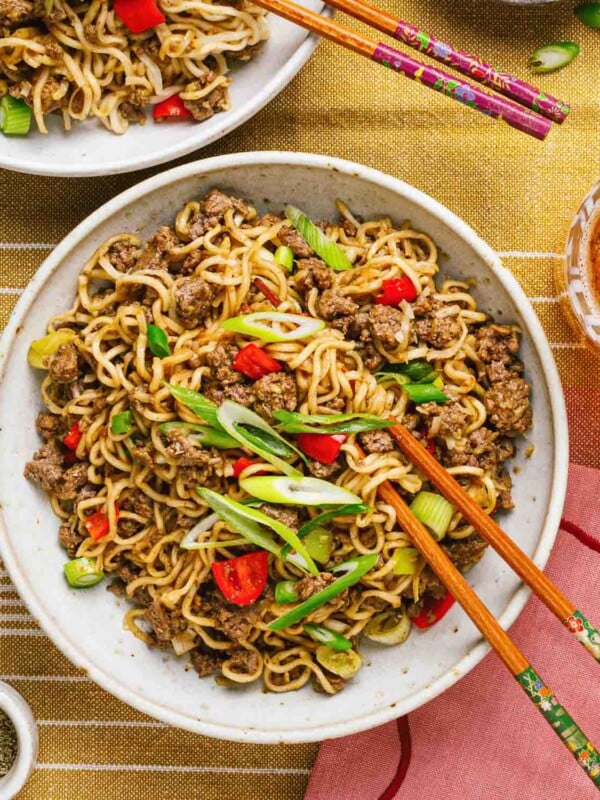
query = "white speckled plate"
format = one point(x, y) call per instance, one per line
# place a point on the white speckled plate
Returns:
point(87, 625)
point(89, 149)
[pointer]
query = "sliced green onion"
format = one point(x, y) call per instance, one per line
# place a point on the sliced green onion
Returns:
point(285, 592)
point(15, 116)
point(297, 491)
point(258, 437)
point(158, 341)
point(83, 572)
point(293, 422)
point(405, 561)
point(196, 402)
point(589, 14)
point(235, 419)
point(122, 423)
point(322, 544)
point(190, 540)
point(327, 516)
point(284, 256)
point(551, 57)
point(389, 627)
point(425, 393)
point(319, 543)
point(40, 350)
point(321, 634)
point(434, 511)
point(345, 665)
point(415, 371)
point(350, 573)
point(249, 522)
point(209, 437)
point(331, 253)
point(255, 325)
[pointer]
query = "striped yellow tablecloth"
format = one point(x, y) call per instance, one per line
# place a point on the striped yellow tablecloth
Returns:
point(519, 194)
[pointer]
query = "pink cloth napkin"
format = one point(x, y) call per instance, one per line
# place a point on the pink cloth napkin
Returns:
point(483, 739)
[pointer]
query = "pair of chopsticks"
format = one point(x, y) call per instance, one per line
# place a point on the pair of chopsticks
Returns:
point(547, 109)
point(556, 715)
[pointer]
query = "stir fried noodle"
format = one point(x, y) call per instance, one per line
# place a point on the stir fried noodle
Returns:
point(80, 60)
point(186, 281)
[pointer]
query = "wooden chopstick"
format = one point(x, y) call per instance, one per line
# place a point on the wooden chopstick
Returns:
point(541, 585)
point(534, 687)
point(474, 68)
point(443, 82)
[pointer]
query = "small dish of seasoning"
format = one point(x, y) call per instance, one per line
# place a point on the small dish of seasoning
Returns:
point(18, 742)
point(578, 277)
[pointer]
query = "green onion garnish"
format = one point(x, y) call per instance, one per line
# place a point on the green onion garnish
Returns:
point(207, 436)
point(293, 422)
point(122, 423)
point(284, 256)
point(589, 14)
point(83, 572)
point(434, 511)
point(406, 561)
point(15, 116)
point(350, 573)
point(297, 491)
point(323, 635)
point(285, 592)
point(255, 325)
point(415, 371)
point(551, 57)
point(196, 402)
point(325, 248)
point(319, 543)
point(250, 523)
point(425, 393)
point(237, 420)
point(158, 341)
point(343, 511)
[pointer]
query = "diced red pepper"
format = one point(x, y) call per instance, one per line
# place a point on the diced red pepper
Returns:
point(240, 465)
point(242, 579)
point(138, 15)
point(98, 525)
point(395, 290)
point(171, 110)
point(254, 362)
point(433, 611)
point(69, 457)
point(73, 437)
point(323, 447)
point(430, 446)
point(271, 296)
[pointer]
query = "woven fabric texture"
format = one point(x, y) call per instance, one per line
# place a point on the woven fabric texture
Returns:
point(519, 194)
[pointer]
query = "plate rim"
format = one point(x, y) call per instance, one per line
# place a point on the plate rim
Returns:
point(517, 602)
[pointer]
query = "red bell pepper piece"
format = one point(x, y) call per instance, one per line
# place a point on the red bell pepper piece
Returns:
point(271, 296)
point(171, 110)
point(254, 362)
point(98, 525)
point(138, 15)
point(240, 465)
point(323, 447)
point(395, 290)
point(433, 611)
point(73, 437)
point(242, 579)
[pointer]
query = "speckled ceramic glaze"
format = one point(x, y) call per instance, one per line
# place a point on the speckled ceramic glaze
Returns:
point(89, 149)
point(87, 625)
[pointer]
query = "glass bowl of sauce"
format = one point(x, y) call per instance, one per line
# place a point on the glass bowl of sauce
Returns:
point(578, 277)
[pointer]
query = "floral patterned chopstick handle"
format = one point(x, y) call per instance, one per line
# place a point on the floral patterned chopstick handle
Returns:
point(585, 633)
point(564, 726)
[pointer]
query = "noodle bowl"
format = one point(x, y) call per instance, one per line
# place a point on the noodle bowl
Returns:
point(81, 61)
point(187, 281)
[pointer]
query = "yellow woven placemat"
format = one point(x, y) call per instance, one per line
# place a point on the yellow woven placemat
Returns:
point(519, 194)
